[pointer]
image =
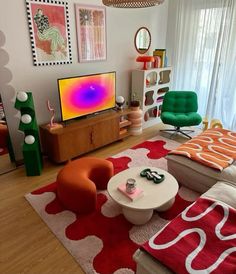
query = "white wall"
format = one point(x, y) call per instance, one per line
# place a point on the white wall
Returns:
point(17, 72)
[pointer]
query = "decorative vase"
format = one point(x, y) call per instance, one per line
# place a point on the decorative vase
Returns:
point(135, 117)
point(52, 125)
point(130, 185)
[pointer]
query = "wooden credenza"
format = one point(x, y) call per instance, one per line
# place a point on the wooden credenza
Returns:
point(81, 136)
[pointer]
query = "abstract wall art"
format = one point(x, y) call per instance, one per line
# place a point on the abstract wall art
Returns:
point(49, 32)
point(91, 32)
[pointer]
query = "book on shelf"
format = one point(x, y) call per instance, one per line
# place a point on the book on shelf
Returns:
point(132, 196)
point(162, 54)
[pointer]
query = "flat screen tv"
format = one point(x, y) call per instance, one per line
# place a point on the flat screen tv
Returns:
point(86, 94)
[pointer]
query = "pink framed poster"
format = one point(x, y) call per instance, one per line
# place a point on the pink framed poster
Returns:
point(91, 32)
point(49, 32)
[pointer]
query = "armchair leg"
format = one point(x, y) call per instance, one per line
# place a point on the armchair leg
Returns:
point(177, 130)
point(185, 134)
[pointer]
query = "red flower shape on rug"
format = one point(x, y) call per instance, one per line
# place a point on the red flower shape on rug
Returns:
point(111, 230)
point(114, 233)
point(156, 149)
point(120, 163)
point(55, 206)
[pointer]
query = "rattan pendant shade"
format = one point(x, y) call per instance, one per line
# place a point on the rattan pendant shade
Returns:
point(132, 3)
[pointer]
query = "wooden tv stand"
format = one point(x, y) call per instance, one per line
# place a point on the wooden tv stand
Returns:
point(81, 136)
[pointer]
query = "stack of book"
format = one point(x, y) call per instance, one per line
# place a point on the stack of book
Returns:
point(162, 54)
point(132, 196)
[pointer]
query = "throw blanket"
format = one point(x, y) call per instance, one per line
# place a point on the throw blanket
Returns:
point(215, 148)
point(202, 239)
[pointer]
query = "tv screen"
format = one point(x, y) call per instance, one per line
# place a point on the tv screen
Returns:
point(86, 94)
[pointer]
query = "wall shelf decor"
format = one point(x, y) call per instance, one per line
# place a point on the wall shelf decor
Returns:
point(28, 124)
point(49, 32)
point(150, 87)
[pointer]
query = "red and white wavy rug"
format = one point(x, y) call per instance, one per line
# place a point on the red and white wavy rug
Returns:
point(92, 238)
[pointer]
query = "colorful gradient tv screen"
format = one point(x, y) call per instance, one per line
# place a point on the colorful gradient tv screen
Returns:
point(87, 94)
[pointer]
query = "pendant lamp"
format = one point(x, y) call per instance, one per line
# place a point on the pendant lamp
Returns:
point(132, 3)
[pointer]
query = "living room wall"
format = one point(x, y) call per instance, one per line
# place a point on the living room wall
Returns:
point(19, 74)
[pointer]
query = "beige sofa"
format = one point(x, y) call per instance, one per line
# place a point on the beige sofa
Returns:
point(197, 176)
point(221, 191)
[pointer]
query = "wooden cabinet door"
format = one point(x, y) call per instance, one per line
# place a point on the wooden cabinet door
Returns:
point(105, 132)
point(74, 143)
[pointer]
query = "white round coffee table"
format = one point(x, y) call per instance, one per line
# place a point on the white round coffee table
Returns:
point(155, 196)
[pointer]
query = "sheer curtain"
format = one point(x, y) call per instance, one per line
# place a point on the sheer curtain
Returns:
point(204, 55)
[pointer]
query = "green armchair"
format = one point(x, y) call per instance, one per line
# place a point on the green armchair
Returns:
point(179, 109)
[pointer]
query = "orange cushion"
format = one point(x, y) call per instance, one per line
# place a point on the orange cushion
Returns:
point(78, 181)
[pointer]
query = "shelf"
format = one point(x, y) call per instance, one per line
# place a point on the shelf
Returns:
point(124, 111)
point(125, 123)
point(164, 77)
point(124, 135)
point(149, 87)
point(151, 79)
point(163, 90)
point(149, 98)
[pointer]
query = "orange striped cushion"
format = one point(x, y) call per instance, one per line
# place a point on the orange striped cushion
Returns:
point(215, 148)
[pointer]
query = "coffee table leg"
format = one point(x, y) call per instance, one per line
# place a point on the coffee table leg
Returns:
point(137, 217)
point(166, 206)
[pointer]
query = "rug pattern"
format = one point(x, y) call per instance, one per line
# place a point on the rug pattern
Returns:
point(92, 238)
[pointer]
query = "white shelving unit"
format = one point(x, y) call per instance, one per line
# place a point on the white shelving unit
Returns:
point(149, 86)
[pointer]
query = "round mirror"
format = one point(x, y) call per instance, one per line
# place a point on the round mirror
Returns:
point(142, 40)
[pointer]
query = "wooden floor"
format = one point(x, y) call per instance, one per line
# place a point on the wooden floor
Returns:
point(5, 163)
point(26, 243)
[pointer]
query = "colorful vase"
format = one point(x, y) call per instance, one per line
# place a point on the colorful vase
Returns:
point(135, 117)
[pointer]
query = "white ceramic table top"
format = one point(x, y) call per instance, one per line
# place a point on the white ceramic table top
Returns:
point(154, 196)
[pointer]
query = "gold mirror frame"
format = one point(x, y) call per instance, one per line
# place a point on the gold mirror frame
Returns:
point(141, 35)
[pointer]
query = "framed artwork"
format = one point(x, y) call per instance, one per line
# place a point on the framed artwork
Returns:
point(91, 32)
point(49, 32)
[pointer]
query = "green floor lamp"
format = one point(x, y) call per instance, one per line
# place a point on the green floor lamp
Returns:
point(31, 148)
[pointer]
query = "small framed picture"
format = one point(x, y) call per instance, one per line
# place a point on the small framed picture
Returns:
point(49, 32)
point(91, 32)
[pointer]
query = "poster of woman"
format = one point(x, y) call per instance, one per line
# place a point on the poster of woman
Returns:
point(49, 32)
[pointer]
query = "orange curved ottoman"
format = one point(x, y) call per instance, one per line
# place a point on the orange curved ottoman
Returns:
point(78, 181)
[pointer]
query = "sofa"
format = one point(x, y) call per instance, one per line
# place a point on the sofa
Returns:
point(204, 160)
point(196, 176)
point(218, 189)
